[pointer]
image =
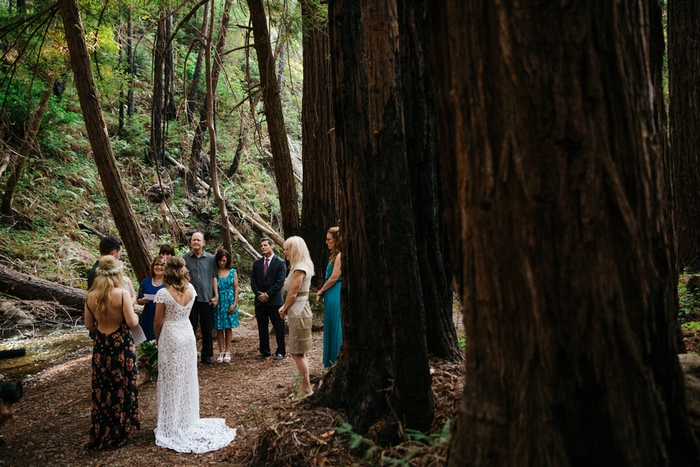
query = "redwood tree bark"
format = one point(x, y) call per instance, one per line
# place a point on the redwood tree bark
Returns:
point(684, 113)
point(383, 371)
point(320, 205)
point(281, 157)
point(118, 200)
point(552, 160)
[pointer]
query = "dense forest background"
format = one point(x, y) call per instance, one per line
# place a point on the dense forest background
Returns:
point(545, 163)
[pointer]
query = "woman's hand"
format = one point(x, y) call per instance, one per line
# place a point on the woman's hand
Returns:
point(282, 312)
point(232, 309)
point(142, 301)
point(319, 297)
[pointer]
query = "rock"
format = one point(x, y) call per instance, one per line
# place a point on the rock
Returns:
point(690, 363)
point(12, 314)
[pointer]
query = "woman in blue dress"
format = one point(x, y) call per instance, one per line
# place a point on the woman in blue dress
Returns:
point(226, 311)
point(147, 292)
point(330, 296)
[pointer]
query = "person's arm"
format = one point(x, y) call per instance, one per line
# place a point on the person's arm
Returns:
point(140, 299)
point(297, 280)
point(159, 318)
point(279, 281)
point(331, 280)
point(132, 319)
point(232, 308)
point(132, 291)
point(90, 323)
point(215, 285)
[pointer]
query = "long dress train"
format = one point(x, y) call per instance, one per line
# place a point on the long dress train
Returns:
point(179, 426)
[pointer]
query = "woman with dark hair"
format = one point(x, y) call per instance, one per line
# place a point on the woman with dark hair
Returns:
point(110, 315)
point(330, 296)
point(179, 426)
point(226, 311)
point(166, 251)
point(147, 292)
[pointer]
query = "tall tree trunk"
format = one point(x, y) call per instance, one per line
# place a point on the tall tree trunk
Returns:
point(374, 379)
point(552, 158)
point(426, 196)
point(157, 117)
point(212, 73)
point(118, 200)
point(27, 146)
point(684, 112)
point(282, 159)
point(320, 205)
point(130, 61)
point(193, 91)
point(169, 109)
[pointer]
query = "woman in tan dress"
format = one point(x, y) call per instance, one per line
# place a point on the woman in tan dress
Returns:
point(296, 306)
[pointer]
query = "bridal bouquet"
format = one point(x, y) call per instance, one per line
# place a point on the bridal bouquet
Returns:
point(148, 360)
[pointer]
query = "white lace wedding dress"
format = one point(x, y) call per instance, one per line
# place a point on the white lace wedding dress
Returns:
point(179, 426)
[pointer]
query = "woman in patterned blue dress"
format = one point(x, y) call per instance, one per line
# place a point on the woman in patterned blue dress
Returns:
point(226, 312)
point(330, 296)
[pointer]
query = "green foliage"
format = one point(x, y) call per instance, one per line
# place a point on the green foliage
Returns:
point(688, 301)
point(147, 355)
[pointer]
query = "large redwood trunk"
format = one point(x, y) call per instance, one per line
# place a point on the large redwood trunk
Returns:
point(118, 200)
point(552, 160)
point(320, 208)
point(383, 371)
point(684, 113)
point(281, 157)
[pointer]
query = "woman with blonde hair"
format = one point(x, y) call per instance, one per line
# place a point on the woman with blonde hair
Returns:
point(330, 296)
point(296, 307)
point(109, 313)
point(179, 426)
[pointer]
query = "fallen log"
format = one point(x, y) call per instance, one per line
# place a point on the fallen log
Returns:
point(28, 287)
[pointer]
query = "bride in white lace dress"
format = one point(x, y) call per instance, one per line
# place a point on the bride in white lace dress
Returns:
point(179, 426)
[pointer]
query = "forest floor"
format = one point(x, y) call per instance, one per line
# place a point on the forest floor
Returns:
point(258, 398)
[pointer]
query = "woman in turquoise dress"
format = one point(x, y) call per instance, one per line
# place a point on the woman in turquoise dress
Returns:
point(330, 296)
point(226, 312)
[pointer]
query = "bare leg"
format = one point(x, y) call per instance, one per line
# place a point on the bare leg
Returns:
point(303, 367)
point(229, 336)
point(220, 339)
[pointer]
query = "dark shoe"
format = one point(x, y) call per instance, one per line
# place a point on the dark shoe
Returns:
point(279, 356)
point(208, 361)
point(262, 356)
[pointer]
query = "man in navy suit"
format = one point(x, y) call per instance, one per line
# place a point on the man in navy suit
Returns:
point(266, 280)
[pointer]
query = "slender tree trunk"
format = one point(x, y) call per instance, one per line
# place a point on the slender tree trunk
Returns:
point(169, 109)
point(374, 379)
point(193, 91)
point(282, 159)
point(130, 61)
point(552, 160)
point(25, 150)
point(98, 135)
point(684, 110)
point(157, 117)
point(212, 81)
point(320, 208)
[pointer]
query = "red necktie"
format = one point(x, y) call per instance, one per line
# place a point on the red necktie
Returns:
point(267, 261)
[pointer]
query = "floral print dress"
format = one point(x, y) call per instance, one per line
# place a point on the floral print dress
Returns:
point(115, 407)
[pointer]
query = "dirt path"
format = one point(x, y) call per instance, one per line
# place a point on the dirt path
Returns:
point(52, 421)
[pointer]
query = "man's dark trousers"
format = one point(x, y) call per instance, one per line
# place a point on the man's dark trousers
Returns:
point(262, 313)
point(203, 312)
